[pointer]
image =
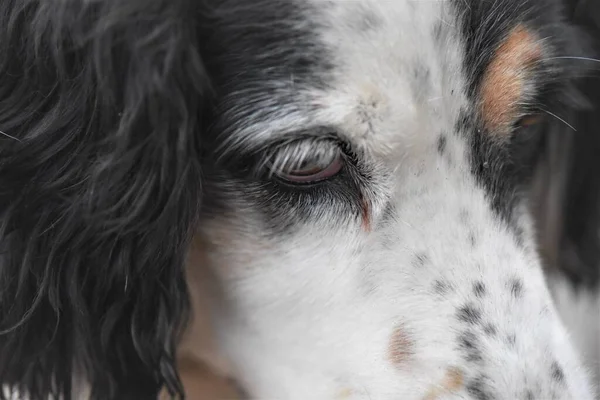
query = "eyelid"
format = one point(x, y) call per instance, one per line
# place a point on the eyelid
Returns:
point(530, 120)
point(321, 173)
point(293, 155)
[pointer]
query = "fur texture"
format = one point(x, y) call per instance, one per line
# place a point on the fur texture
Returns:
point(99, 108)
point(136, 132)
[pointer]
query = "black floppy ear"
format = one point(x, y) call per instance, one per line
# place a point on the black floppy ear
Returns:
point(99, 193)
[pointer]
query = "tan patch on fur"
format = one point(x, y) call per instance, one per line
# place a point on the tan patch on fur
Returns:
point(199, 338)
point(204, 371)
point(401, 347)
point(453, 382)
point(505, 78)
point(344, 394)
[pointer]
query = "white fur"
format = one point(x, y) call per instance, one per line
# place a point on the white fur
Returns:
point(311, 315)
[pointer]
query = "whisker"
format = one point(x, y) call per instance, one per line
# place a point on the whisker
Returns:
point(8, 136)
point(560, 119)
point(575, 58)
point(435, 99)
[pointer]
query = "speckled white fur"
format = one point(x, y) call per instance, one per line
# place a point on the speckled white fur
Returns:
point(310, 315)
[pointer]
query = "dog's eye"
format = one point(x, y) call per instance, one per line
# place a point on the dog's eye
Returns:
point(312, 171)
point(530, 120)
point(313, 168)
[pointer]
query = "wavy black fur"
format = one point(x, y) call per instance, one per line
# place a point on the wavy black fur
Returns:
point(99, 192)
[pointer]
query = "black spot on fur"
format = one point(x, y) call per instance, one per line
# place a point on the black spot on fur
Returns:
point(557, 373)
point(470, 346)
point(490, 330)
point(468, 340)
point(516, 288)
point(469, 314)
point(529, 395)
point(441, 144)
point(421, 80)
point(472, 239)
point(479, 289)
point(441, 287)
point(479, 389)
point(420, 260)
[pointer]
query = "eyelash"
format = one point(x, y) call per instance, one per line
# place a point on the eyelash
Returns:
point(349, 178)
point(308, 142)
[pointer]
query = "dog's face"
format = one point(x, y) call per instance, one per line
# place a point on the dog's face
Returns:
point(354, 172)
point(365, 218)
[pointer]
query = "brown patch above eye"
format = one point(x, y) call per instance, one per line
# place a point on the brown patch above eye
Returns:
point(504, 81)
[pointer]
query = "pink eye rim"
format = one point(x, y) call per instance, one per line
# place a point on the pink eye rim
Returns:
point(319, 174)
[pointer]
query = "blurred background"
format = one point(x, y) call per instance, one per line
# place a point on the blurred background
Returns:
point(566, 197)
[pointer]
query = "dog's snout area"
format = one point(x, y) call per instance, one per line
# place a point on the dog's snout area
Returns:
point(478, 316)
point(489, 339)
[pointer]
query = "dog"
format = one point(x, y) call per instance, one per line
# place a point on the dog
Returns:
point(344, 185)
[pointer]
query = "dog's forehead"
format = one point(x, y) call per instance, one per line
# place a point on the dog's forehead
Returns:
point(397, 74)
point(354, 66)
point(384, 70)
